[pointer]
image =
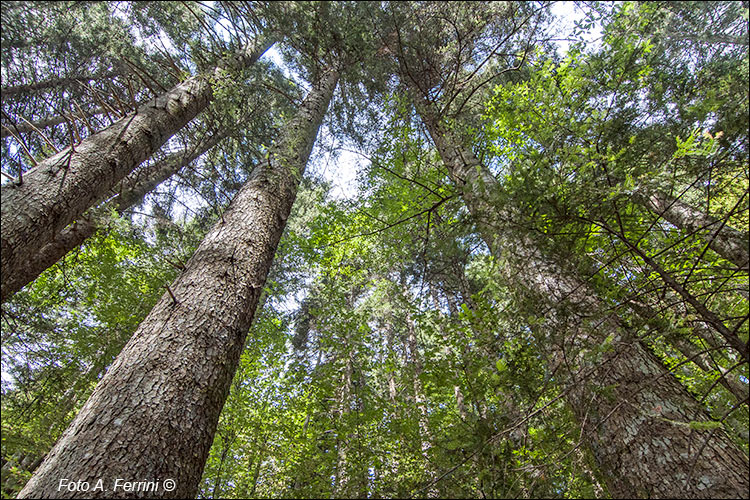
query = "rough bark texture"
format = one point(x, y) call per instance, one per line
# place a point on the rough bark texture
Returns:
point(153, 415)
point(130, 191)
point(635, 415)
point(725, 240)
point(65, 185)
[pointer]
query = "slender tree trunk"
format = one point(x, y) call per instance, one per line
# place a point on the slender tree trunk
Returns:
point(154, 414)
point(23, 127)
point(302, 471)
point(415, 360)
point(258, 462)
point(130, 191)
point(65, 185)
point(725, 240)
point(392, 390)
point(460, 405)
point(692, 352)
point(341, 484)
point(15, 90)
point(390, 361)
point(641, 424)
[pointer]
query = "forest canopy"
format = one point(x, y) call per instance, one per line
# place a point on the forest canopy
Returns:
point(375, 249)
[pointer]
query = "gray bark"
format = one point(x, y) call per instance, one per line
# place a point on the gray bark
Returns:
point(129, 192)
point(635, 414)
point(62, 187)
point(725, 240)
point(154, 414)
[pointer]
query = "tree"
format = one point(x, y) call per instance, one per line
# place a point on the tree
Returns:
point(575, 309)
point(216, 298)
point(535, 288)
point(63, 186)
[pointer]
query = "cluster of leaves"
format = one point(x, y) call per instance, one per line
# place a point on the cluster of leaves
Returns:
point(60, 335)
point(585, 138)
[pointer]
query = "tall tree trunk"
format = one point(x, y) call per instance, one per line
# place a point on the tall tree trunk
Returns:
point(342, 487)
point(258, 462)
point(154, 414)
point(722, 239)
point(415, 360)
point(62, 187)
point(130, 191)
point(392, 390)
point(640, 422)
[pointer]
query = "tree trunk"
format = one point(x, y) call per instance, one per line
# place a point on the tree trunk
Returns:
point(699, 357)
point(647, 433)
point(26, 88)
point(130, 191)
point(415, 360)
point(23, 127)
point(154, 414)
point(65, 185)
point(342, 487)
point(722, 239)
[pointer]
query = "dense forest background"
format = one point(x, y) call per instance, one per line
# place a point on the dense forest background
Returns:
point(537, 286)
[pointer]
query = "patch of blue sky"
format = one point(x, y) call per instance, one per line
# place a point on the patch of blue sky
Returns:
point(567, 14)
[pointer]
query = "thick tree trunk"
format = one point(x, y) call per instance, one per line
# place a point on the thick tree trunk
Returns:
point(130, 191)
point(67, 184)
point(153, 415)
point(647, 433)
point(725, 240)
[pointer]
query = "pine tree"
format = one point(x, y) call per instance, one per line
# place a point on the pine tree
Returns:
point(62, 187)
point(192, 339)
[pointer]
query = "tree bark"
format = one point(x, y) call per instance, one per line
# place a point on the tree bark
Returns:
point(725, 240)
point(154, 414)
point(130, 191)
point(640, 422)
point(65, 185)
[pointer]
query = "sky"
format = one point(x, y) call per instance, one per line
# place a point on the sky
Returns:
point(341, 173)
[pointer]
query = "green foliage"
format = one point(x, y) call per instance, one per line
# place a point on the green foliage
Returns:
point(392, 355)
point(61, 333)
